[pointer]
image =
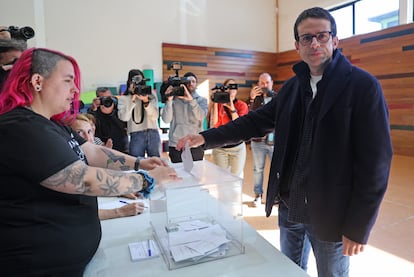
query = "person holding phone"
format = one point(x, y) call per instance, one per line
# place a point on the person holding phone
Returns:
point(262, 147)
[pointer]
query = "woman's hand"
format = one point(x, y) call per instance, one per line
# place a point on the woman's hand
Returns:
point(230, 106)
point(143, 98)
point(133, 196)
point(131, 209)
point(151, 163)
point(163, 174)
point(168, 93)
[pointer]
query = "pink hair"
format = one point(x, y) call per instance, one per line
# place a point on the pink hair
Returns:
point(17, 90)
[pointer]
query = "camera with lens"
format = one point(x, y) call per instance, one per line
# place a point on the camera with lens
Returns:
point(107, 101)
point(140, 87)
point(23, 33)
point(175, 81)
point(221, 94)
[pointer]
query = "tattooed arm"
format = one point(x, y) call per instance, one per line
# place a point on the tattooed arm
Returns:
point(79, 178)
point(105, 157)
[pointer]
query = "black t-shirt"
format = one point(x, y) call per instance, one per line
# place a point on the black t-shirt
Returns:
point(41, 231)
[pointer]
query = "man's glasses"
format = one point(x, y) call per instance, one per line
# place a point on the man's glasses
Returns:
point(321, 37)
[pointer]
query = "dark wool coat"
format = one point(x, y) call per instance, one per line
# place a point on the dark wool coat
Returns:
point(351, 148)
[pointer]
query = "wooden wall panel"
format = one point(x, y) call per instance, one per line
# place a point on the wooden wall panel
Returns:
point(215, 65)
point(402, 142)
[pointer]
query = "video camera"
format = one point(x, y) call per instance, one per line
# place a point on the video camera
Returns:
point(175, 81)
point(221, 94)
point(23, 33)
point(140, 87)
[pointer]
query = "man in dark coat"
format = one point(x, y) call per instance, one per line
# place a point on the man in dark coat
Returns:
point(332, 153)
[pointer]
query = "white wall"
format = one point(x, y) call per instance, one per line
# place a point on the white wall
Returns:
point(109, 37)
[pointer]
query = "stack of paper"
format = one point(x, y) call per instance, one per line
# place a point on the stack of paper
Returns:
point(195, 240)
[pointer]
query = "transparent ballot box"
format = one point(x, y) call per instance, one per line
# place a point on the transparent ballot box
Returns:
point(199, 218)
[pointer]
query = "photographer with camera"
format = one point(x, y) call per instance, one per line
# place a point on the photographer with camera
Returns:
point(185, 112)
point(225, 108)
point(263, 146)
point(108, 126)
point(138, 106)
point(13, 41)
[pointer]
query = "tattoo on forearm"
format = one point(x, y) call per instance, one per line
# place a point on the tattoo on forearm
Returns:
point(113, 158)
point(110, 186)
point(136, 183)
point(73, 174)
point(109, 182)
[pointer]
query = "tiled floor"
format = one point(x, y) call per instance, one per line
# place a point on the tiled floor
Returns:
point(390, 250)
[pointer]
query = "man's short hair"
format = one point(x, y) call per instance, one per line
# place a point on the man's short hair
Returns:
point(315, 12)
point(101, 89)
point(12, 44)
point(188, 74)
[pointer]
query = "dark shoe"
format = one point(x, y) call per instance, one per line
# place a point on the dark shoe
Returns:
point(257, 202)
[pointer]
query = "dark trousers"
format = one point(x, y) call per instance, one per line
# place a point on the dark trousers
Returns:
point(175, 155)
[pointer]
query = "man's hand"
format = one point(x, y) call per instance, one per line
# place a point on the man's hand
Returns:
point(4, 32)
point(187, 95)
point(192, 140)
point(350, 247)
point(95, 104)
point(254, 92)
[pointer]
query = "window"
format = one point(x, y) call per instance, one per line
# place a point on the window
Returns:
point(364, 16)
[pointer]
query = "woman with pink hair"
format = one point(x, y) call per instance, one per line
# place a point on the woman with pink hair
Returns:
point(49, 223)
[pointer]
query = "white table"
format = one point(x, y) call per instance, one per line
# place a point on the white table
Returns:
point(113, 259)
point(260, 258)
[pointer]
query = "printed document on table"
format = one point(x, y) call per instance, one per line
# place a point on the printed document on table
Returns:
point(143, 250)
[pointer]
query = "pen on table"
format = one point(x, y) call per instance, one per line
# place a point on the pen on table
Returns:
point(149, 248)
point(125, 202)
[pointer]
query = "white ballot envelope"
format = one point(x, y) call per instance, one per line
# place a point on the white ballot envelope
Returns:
point(188, 162)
